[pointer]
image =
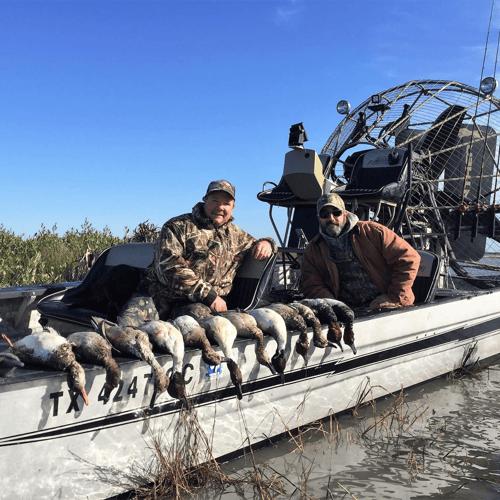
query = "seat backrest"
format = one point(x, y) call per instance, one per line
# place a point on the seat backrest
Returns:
point(373, 170)
point(425, 284)
point(251, 283)
point(138, 255)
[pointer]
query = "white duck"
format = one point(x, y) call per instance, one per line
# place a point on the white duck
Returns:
point(92, 348)
point(168, 338)
point(194, 335)
point(271, 323)
point(48, 348)
point(246, 327)
point(222, 331)
point(134, 342)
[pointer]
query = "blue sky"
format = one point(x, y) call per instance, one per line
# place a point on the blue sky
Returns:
point(124, 111)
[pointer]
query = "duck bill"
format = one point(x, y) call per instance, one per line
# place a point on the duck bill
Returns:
point(306, 359)
point(184, 402)
point(239, 392)
point(353, 347)
point(335, 345)
point(85, 397)
point(271, 367)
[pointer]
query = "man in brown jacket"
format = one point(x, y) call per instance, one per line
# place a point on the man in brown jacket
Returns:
point(360, 263)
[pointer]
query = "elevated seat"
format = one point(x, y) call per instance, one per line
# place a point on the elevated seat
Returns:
point(379, 185)
point(77, 305)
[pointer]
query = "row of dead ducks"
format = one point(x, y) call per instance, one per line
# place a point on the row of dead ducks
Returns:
point(194, 327)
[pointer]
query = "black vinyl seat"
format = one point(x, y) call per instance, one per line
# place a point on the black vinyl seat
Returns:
point(78, 304)
point(425, 284)
point(379, 185)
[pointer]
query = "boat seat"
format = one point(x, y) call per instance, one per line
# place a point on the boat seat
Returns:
point(251, 283)
point(77, 305)
point(380, 180)
point(425, 284)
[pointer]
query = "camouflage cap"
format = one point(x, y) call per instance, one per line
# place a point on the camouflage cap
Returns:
point(221, 186)
point(331, 200)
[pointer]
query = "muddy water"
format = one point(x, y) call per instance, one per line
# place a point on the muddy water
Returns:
point(441, 441)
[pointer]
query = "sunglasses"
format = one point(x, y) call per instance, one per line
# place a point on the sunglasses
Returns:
point(325, 214)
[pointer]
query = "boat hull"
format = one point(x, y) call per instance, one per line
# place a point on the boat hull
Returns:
point(55, 446)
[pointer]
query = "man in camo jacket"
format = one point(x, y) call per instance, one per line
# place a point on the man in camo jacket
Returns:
point(197, 254)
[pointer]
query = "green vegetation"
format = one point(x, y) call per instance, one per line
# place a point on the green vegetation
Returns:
point(47, 257)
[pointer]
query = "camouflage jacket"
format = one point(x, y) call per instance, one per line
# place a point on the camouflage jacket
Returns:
point(196, 261)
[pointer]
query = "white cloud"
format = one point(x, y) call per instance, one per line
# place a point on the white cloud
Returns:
point(288, 12)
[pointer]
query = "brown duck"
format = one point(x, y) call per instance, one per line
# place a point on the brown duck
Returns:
point(135, 343)
point(90, 347)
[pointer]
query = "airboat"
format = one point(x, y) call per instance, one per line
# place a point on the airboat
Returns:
point(421, 158)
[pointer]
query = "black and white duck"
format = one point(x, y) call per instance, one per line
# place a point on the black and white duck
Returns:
point(48, 348)
point(325, 313)
point(294, 321)
point(312, 321)
point(271, 323)
point(92, 348)
point(133, 342)
point(195, 336)
point(167, 338)
point(246, 328)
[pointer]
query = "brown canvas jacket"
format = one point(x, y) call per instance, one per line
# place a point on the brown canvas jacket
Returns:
point(390, 261)
point(196, 261)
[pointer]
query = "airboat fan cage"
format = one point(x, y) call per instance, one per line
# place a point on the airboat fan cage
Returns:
point(454, 198)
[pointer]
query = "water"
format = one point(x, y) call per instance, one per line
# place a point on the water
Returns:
point(447, 447)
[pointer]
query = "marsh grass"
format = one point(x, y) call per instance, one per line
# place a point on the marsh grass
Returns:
point(185, 466)
point(47, 257)
point(397, 425)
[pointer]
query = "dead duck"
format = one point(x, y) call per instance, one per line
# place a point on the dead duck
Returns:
point(194, 336)
point(194, 309)
point(92, 348)
point(166, 337)
point(222, 331)
point(246, 327)
point(48, 348)
point(311, 320)
point(271, 323)
point(326, 315)
point(294, 321)
point(135, 343)
point(346, 315)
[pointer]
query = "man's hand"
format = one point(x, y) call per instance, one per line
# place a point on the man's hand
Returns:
point(262, 250)
point(218, 305)
point(384, 301)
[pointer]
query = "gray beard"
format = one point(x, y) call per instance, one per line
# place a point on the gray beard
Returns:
point(331, 230)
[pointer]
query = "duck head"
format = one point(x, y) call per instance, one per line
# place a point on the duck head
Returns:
point(279, 363)
point(76, 380)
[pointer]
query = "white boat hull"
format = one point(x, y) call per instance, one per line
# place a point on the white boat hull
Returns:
point(53, 446)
